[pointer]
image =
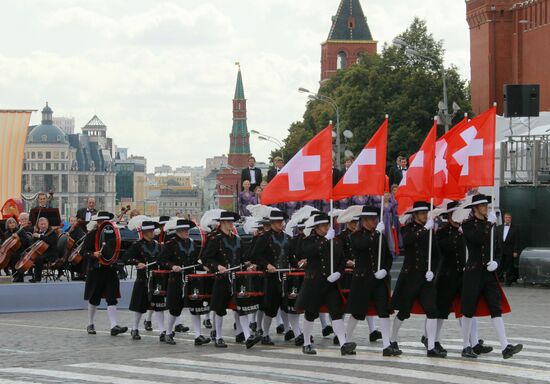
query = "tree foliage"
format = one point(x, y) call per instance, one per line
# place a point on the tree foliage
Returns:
point(406, 88)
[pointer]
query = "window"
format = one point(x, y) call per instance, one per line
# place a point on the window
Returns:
point(48, 167)
point(32, 155)
point(40, 155)
point(48, 155)
point(56, 155)
point(44, 138)
point(342, 60)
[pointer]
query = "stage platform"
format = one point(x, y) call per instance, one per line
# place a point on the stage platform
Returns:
point(52, 296)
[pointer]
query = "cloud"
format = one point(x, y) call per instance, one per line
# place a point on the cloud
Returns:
point(161, 75)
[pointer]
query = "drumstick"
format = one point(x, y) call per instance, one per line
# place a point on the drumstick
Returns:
point(230, 269)
point(191, 266)
point(152, 263)
point(301, 265)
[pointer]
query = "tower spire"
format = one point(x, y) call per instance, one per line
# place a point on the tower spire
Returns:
point(239, 148)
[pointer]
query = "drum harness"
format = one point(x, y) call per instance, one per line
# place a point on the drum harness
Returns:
point(234, 249)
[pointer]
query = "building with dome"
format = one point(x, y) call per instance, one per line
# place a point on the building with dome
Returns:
point(72, 166)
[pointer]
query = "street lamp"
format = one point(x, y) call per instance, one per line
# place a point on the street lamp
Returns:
point(443, 106)
point(331, 102)
point(271, 139)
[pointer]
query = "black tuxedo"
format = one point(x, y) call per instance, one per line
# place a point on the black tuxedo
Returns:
point(396, 175)
point(271, 174)
point(245, 175)
point(509, 263)
point(81, 214)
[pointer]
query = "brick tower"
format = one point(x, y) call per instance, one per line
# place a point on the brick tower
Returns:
point(509, 42)
point(348, 38)
point(229, 178)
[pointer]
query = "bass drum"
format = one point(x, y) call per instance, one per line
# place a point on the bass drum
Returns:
point(198, 235)
point(108, 242)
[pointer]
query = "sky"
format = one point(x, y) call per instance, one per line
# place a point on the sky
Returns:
point(161, 74)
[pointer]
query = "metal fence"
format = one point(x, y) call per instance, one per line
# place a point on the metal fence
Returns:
point(525, 160)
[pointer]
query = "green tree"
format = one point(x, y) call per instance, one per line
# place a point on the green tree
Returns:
point(408, 89)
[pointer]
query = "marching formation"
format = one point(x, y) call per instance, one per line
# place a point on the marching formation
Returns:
point(300, 270)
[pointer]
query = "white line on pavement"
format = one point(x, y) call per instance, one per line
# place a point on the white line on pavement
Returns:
point(467, 365)
point(393, 371)
point(178, 374)
point(75, 376)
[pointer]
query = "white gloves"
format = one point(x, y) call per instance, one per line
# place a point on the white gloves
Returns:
point(330, 234)
point(380, 228)
point(333, 277)
point(381, 274)
point(429, 276)
point(492, 217)
point(429, 224)
point(492, 266)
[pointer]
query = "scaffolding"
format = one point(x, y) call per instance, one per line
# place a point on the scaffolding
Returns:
point(525, 160)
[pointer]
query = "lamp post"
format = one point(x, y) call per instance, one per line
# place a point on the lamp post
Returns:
point(331, 102)
point(443, 106)
point(271, 139)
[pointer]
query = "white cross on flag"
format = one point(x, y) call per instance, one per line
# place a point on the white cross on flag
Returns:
point(307, 176)
point(366, 175)
point(418, 183)
point(472, 149)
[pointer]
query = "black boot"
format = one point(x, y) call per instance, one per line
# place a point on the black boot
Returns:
point(511, 350)
point(239, 338)
point(135, 334)
point(469, 353)
point(299, 341)
point(424, 340)
point(170, 339)
point(91, 329)
point(440, 348)
point(162, 337)
point(266, 340)
point(309, 350)
point(375, 335)
point(289, 335)
point(148, 325)
point(252, 340)
point(327, 330)
point(220, 343)
point(436, 353)
point(482, 349)
point(201, 340)
point(181, 328)
point(348, 349)
point(253, 326)
point(394, 345)
point(335, 340)
point(391, 351)
point(280, 329)
point(117, 330)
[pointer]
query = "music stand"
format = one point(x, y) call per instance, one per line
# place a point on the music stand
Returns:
point(52, 214)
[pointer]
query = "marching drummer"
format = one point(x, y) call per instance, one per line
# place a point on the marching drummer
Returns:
point(101, 280)
point(144, 254)
point(271, 253)
point(178, 253)
point(320, 286)
point(223, 253)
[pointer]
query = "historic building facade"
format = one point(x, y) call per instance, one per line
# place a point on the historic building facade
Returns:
point(72, 166)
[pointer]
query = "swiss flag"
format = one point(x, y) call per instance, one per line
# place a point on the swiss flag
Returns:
point(307, 176)
point(472, 148)
point(418, 182)
point(366, 175)
point(446, 169)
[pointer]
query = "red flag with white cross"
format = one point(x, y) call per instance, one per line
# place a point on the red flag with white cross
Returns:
point(418, 182)
point(307, 176)
point(473, 149)
point(366, 175)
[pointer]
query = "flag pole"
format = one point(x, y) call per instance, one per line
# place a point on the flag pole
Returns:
point(331, 241)
point(380, 238)
point(431, 239)
point(493, 204)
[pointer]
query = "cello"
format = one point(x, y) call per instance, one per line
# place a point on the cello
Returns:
point(8, 248)
point(28, 259)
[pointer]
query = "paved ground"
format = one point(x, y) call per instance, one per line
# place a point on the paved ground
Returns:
point(54, 348)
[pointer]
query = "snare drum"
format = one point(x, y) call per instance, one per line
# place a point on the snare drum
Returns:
point(248, 284)
point(199, 286)
point(158, 283)
point(292, 283)
point(346, 282)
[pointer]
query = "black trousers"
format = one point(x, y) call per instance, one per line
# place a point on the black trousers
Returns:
point(508, 271)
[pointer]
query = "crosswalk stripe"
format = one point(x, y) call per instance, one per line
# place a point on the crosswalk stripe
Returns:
point(458, 349)
point(232, 379)
point(516, 360)
point(466, 365)
point(529, 340)
point(74, 376)
point(8, 381)
point(530, 346)
point(323, 364)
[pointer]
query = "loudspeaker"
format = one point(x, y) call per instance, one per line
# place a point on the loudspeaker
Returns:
point(521, 100)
